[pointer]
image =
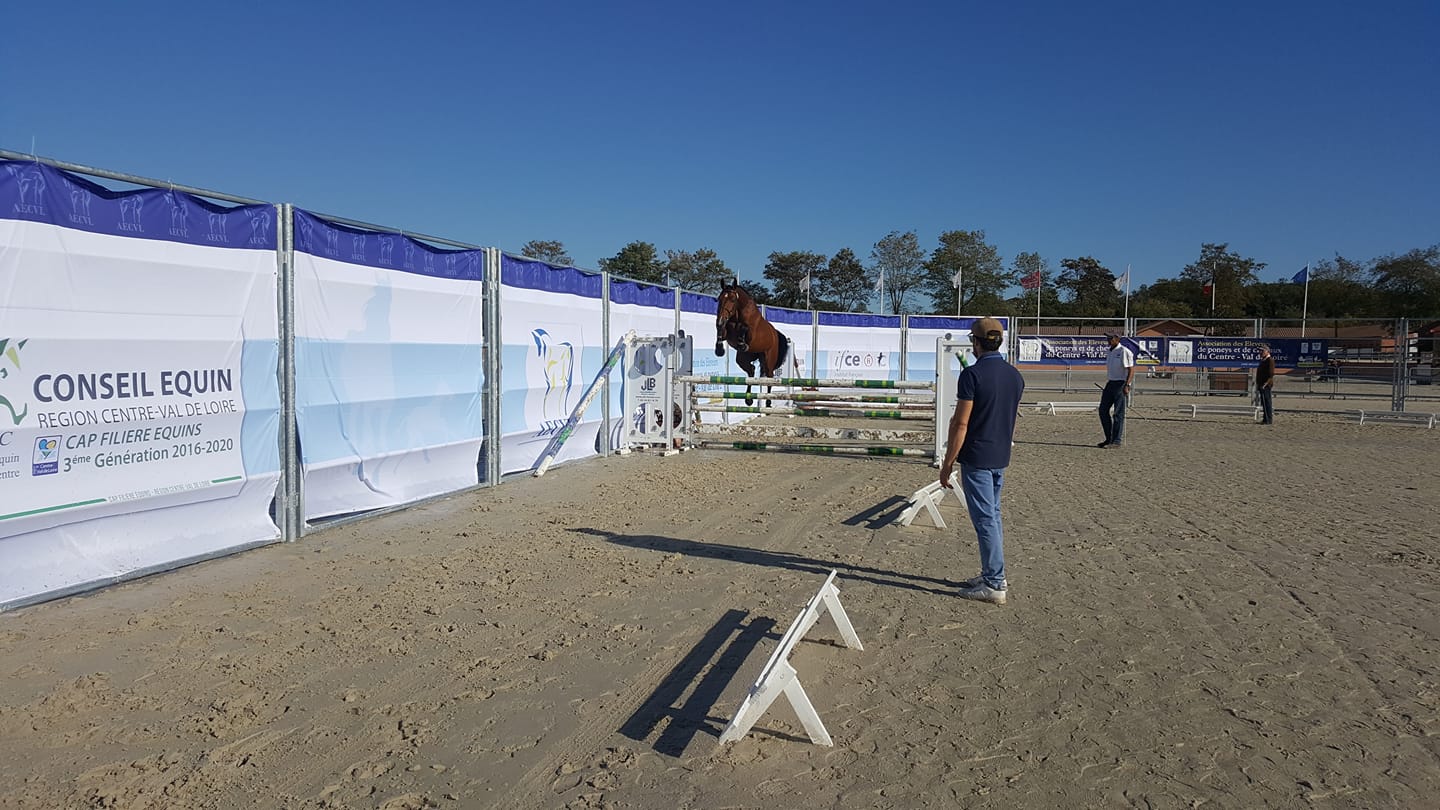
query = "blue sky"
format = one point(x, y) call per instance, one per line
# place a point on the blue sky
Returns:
point(1127, 131)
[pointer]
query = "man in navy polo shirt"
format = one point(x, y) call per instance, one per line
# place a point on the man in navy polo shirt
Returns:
point(981, 431)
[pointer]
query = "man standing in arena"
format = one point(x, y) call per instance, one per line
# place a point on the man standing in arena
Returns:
point(1265, 385)
point(981, 432)
point(1119, 370)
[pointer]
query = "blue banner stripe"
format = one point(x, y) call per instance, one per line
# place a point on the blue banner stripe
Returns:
point(634, 292)
point(386, 250)
point(802, 317)
point(860, 319)
point(37, 192)
point(533, 275)
point(698, 302)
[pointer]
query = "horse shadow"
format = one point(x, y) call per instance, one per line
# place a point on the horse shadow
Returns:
point(777, 559)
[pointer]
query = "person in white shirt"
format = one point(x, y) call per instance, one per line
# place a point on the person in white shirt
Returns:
point(1119, 371)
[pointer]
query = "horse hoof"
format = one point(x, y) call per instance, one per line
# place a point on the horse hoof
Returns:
point(719, 349)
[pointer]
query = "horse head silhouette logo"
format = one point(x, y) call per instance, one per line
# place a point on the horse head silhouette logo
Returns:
point(387, 249)
point(79, 200)
point(217, 227)
point(179, 211)
point(260, 226)
point(130, 213)
point(557, 363)
point(10, 356)
point(31, 181)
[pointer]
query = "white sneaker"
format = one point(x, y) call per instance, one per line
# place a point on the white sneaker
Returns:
point(984, 593)
point(978, 580)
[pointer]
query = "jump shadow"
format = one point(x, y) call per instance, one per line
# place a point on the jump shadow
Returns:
point(772, 559)
point(881, 514)
point(719, 655)
point(1054, 444)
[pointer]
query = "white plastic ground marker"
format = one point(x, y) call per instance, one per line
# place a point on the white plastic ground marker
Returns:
point(928, 497)
point(778, 677)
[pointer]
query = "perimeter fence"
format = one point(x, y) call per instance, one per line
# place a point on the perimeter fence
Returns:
point(186, 373)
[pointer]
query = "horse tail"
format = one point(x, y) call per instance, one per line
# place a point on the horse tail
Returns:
point(783, 352)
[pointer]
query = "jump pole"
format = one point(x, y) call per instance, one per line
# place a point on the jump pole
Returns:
point(551, 449)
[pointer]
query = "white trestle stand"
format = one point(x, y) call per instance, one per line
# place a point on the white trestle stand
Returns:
point(928, 497)
point(778, 677)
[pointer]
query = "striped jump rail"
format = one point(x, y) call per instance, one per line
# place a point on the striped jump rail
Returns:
point(806, 382)
point(812, 396)
point(825, 449)
point(928, 416)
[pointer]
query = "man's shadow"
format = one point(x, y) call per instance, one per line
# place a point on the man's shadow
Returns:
point(774, 559)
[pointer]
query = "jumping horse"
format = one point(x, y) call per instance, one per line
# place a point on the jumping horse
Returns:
point(739, 323)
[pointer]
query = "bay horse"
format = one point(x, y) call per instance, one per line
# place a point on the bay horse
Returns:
point(739, 323)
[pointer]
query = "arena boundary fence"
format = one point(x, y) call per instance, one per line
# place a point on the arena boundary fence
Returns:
point(518, 407)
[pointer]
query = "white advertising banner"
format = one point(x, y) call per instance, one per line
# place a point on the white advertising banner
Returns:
point(138, 396)
point(855, 346)
point(924, 330)
point(551, 350)
point(388, 367)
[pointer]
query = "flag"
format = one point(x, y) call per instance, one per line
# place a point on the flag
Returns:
point(880, 283)
point(1123, 281)
point(805, 283)
point(1302, 277)
point(1031, 281)
point(1207, 288)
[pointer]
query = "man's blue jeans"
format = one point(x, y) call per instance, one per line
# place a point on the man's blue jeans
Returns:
point(1113, 397)
point(982, 497)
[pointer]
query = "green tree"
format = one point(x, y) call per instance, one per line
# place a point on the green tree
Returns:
point(1166, 298)
point(637, 261)
point(899, 261)
point(1089, 289)
point(1229, 272)
point(1408, 285)
point(843, 285)
point(1340, 288)
point(787, 271)
point(701, 271)
point(979, 268)
point(550, 252)
point(1024, 265)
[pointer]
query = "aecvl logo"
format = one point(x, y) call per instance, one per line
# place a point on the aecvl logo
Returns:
point(46, 459)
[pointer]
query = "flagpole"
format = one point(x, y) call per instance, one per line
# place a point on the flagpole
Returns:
point(1212, 288)
point(1039, 282)
point(1305, 306)
point(1127, 294)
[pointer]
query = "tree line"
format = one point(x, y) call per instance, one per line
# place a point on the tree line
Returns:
point(966, 274)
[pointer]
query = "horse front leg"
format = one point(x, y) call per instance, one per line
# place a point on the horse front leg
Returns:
point(748, 364)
